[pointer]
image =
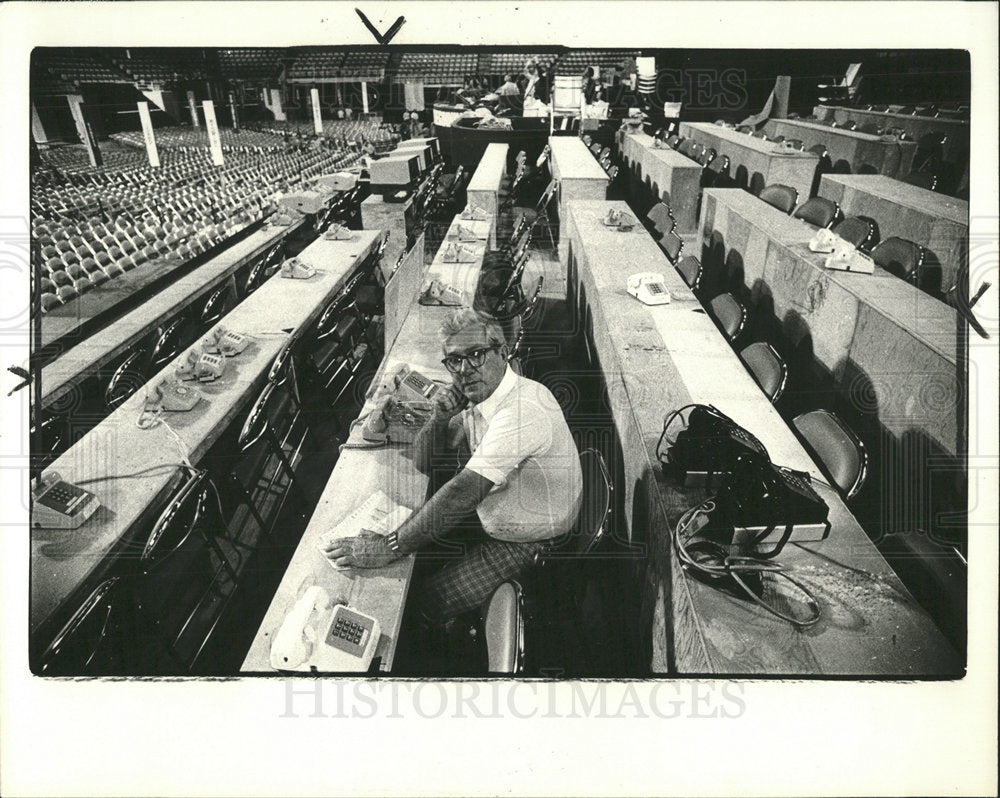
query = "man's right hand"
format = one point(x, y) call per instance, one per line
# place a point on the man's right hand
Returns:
point(448, 403)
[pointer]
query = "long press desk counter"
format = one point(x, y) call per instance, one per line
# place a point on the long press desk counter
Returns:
point(755, 163)
point(860, 152)
point(484, 187)
point(875, 327)
point(935, 221)
point(359, 473)
point(83, 359)
point(579, 174)
point(64, 562)
point(956, 145)
point(663, 173)
point(656, 359)
point(60, 326)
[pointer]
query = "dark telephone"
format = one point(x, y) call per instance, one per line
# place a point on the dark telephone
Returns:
point(760, 505)
point(704, 449)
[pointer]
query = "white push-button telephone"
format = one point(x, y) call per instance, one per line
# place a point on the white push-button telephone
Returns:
point(57, 504)
point(649, 287)
point(346, 641)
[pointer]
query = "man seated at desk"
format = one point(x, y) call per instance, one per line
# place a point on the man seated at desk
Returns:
point(522, 478)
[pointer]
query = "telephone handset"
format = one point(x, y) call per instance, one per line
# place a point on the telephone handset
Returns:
point(649, 287)
point(172, 396)
point(705, 447)
point(438, 292)
point(57, 504)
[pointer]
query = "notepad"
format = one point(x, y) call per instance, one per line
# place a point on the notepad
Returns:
point(378, 513)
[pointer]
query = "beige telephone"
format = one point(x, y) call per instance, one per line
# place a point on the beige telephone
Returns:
point(462, 233)
point(203, 367)
point(171, 395)
point(474, 213)
point(294, 269)
point(200, 366)
point(57, 504)
point(336, 232)
point(438, 292)
point(649, 287)
point(619, 219)
point(824, 241)
point(404, 409)
point(846, 258)
point(223, 342)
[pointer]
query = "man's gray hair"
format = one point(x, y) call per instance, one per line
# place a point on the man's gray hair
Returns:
point(466, 318)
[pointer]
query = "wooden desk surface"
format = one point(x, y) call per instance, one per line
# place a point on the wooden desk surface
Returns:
point(77, 363)
point(62, 561)
point(571, 160)
point(359, 473)
point(659, 358)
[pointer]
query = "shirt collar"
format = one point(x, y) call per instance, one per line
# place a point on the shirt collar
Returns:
point(489, 406)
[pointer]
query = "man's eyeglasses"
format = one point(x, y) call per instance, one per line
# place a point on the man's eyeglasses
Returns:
point(475, 359)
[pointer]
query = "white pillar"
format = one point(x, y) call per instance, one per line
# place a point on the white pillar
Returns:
point(194, 110)
point(214, 143)
point(37, 130)
point(147, 134)
point(317, 114)
point(83, 129)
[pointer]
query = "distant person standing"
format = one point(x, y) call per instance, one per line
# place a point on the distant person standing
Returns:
point(535, 88)
point(508, 88)
point(509, 94)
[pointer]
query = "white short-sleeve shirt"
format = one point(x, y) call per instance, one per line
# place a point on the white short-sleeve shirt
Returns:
point(521, 443)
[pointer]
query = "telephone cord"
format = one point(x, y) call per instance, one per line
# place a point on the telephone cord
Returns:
point(735, 566)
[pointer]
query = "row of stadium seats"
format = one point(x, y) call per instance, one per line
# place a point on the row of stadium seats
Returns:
point(160, 67)
point(93, 227)
point(75, 67)
point(249, 63)
point(332, 64)
point(61, 70)
point(442, 66)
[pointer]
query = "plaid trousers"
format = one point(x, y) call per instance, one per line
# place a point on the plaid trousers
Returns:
point(467, 583)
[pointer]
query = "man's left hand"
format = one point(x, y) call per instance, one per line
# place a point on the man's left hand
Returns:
point(366, 550)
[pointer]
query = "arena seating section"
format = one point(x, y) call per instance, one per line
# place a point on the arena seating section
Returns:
point(93, 225)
